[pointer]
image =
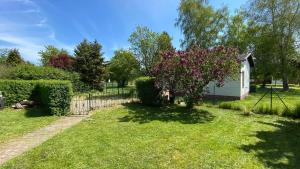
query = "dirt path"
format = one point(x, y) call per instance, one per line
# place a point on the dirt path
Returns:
point(17, 146)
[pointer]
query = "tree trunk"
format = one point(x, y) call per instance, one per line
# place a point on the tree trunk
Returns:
point(121, 83)
point(171, 97)
point(285, 82)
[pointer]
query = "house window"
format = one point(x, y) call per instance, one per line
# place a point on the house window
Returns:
point(243, 79)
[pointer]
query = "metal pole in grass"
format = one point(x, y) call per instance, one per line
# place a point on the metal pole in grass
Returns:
point(89, 109)
point(281, 100)
point(271, 97)
point(260, 100)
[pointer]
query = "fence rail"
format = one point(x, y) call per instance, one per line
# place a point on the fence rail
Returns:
point(83, 103)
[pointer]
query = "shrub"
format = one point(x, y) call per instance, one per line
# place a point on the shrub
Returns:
point(53, 95)
point(31, 72)
point(187, 73)
point(146, 91)
point(17, 90)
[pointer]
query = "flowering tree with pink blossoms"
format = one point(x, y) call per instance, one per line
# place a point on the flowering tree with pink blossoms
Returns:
point(187, 73)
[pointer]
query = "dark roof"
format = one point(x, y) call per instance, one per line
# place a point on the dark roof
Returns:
point(249, 57)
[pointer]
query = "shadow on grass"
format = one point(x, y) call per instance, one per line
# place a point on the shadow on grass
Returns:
point(36, 112)
point(279, 148)
point(142, 114)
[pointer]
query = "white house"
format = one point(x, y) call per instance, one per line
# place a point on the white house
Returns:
point(234, 89)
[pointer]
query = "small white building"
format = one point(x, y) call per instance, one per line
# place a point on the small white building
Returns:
point(234, 89)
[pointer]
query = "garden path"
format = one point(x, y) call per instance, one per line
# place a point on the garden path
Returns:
point(17, 146)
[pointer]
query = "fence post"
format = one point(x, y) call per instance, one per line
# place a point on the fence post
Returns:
point(271, 98)
point(89, 101)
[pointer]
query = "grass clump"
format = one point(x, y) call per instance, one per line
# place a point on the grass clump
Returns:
point(294, 113)
point(266, 109)
point(232, 106)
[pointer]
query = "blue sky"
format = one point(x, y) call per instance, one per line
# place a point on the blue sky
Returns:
point(29, 25)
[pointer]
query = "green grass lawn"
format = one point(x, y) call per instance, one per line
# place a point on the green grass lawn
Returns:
point(291, 98)
point(133, 136)
point(14, 123)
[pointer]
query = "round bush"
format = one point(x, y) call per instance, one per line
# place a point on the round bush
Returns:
point(146, 91)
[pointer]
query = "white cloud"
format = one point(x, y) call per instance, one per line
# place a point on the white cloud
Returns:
point(42, 22)
point(28, 32)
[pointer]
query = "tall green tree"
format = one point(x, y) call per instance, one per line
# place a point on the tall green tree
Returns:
point(89, 63)
point(49, 52)
point(201, 24)
point(14, 58)
point(123, 67)
point(237, 34)
point(164, 43)
point(144, 45)
point(282, 18)
point(147, 46)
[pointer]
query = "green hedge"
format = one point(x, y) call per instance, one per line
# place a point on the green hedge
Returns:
point(53, 95)
point(31, 72)
point(18, 90)
point(146, 91)
point(56, 96)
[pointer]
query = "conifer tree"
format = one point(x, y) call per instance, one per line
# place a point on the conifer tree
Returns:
point(89, 63)
point(14, 58)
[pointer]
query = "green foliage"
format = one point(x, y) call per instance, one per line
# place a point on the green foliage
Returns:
point(14, 58)
point(147, 47)
point(146, 91)
point(281, 20)
point(294, 112)
point(89, 63)
point(200, 23)
point(56, 96)
point(266, 109)
point(53, 95)
point(143, 43)
point(237, 34)
point(5, 71)
point(123, 67)
point(233, 106)
point(49, 52)
point(31, 72)
point(18, 90)
point(164, 43)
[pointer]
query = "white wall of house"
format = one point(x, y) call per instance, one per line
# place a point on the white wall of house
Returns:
point(230, 88)
point(245, 81)
point(238, 88)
